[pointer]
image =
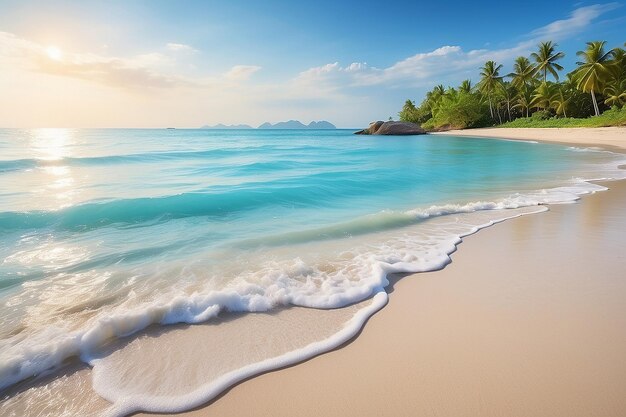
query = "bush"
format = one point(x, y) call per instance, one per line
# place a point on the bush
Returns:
point(410, 113)
point(462, 111)
point(612, 117)
point(541, 115)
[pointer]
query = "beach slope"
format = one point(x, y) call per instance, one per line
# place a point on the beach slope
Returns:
point(610, 137)
point(527, 320)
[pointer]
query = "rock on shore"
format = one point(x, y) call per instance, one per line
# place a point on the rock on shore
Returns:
point(392, 128)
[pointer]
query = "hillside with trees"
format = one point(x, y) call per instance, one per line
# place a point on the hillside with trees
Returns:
point(534, 94)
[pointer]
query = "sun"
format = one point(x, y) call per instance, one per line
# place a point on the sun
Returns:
point(54, 53)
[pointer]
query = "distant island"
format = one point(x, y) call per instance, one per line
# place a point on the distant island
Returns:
point(291, 124)
point(296, 124)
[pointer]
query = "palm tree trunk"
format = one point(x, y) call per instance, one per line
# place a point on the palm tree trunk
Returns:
point(491, 108)
point(595, 103)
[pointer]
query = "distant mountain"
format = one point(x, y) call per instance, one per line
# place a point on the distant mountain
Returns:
point(322, 124)
point(296, 124)
point(291, 124)
point(221, 126)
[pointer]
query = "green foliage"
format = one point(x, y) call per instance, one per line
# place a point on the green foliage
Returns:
point(410, 113)
point(612, 117)
point(540, 115)
point(593, 72)
point(523, 74)
point(615, 94)
point(594, 69)
point(466, 86)
point(542, 96)
point(596, 84)
point(459, 110)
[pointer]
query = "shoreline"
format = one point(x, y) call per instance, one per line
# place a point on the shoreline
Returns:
point(610, 138)
point(520, 334)
point(361, 377)
point(394, 328)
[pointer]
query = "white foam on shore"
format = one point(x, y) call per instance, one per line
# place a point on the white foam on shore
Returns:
point(351, 278)
point(401, 263)
point(128, 404)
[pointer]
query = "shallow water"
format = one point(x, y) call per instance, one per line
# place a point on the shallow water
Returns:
point(105, 232)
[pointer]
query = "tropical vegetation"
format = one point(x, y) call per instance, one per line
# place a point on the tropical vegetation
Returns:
point(535, 94)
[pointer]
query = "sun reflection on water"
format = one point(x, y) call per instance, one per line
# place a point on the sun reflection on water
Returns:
point(51, 144)
point(56, 181)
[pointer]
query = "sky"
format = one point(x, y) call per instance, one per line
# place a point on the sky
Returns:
point(186, 64)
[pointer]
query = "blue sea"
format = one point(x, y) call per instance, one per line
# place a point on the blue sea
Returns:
point(283, 239)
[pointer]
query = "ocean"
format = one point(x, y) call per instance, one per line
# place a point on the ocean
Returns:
point(175, 263)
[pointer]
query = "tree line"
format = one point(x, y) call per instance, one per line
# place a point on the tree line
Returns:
point(596, 84)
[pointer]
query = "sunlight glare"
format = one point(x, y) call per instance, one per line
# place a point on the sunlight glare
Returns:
point(51, 144)
point(54, 53)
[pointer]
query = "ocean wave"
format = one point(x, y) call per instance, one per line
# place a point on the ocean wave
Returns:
point(389, 219)
point(351, 279)
point(137, 210)
point(147, 157)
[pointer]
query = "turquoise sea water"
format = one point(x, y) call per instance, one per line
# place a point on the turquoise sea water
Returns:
point(106, 231)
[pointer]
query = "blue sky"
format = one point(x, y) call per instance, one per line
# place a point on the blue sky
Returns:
point(185, 64)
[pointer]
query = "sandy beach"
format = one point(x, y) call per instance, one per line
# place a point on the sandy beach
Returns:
point(528, 320)
point(608, 137)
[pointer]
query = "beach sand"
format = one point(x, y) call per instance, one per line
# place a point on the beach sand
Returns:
point(608, 137)
point(528, 320)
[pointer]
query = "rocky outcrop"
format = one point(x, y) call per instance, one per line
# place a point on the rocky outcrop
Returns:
point(392, 128)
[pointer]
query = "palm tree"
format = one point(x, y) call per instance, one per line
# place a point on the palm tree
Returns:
point(466, 86)
point(542, 97)
point(546, 59)
point(433, 98)
point(439, 90)
point(489, 80)
point(617, 66)
point(507, 95)
point(524, 101)
point(615, 93)
point(559, 102)
point(593, 70)
point(523, 73)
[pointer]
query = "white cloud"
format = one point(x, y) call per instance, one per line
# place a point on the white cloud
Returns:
point(241, 72)
point(140, 71)
point(180, 47)
point(148, 70)
point(577, 20)
point(417, 70)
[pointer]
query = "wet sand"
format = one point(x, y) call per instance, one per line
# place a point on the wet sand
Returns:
point(607, 137)
point(528, 320)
